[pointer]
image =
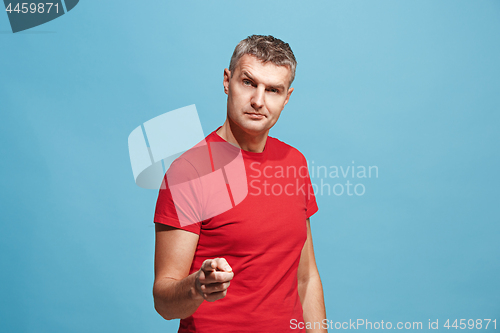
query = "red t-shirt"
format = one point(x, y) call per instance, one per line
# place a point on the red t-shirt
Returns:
point(261, 235)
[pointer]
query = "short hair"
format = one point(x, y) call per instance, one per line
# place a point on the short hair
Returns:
point(266, 49)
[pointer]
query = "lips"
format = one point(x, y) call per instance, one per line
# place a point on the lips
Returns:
point(255, 115)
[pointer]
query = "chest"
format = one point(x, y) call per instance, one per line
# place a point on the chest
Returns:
point(271, 218)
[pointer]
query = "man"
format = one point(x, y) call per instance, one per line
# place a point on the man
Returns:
point(250, 268)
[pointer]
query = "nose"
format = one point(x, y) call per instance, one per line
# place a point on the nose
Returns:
point(258, 98)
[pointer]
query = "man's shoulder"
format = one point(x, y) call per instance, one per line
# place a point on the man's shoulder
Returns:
point(285, 148)
point(207, 155)
point(191, 164)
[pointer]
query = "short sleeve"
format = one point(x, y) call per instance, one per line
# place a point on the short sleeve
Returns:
point(311, 205)
point(184, 211)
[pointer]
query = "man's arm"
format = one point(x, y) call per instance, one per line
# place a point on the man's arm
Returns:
point(310, 287)
point(176, 293)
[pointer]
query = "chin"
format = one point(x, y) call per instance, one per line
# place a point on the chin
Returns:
point(252, 127)
point(256, 128)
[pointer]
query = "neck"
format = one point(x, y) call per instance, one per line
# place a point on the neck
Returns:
point(236, 136)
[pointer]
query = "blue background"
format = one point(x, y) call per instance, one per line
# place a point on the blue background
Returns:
point(410, 87)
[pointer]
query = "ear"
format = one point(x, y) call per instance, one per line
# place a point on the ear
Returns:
point(290, 90)
point(227, 77)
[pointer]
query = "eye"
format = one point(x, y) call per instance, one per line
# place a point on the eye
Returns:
point(247, 82)
point(273, 90)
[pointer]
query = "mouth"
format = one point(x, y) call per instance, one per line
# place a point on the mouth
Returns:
point(254, 115)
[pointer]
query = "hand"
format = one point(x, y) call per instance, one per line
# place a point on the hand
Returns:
point(212, 280)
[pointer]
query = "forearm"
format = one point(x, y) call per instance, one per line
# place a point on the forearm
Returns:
point(176, 298)
point(313, 304)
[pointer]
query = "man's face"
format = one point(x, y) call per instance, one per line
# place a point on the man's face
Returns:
point(257, 93)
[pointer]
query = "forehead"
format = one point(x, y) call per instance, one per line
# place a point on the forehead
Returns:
point(265, 72)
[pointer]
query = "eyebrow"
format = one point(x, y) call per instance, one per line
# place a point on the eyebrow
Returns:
point(277, 86)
